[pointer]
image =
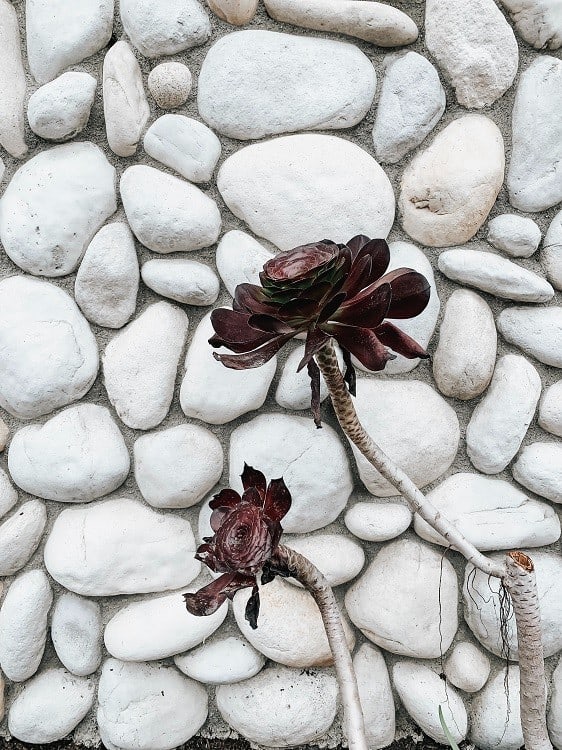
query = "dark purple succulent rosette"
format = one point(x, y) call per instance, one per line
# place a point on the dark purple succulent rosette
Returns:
point(247, 531)
point(328, 291)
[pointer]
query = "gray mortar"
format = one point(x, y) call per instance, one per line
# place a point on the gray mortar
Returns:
point(500, 112)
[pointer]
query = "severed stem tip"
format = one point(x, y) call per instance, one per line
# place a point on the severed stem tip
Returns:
point(523, 560)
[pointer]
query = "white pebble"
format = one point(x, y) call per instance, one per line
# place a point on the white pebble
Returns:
point(125, 106)
point(170, 84)
point(550, 409)
point(240, 258)
point(375, 694)
point(465, 357)
point(107, 281)
point(140, 365)
point(12, 83)
point(185, 281)
point(378, 522)
point(538, 331)
point(23, 625)
point(76, 632)
point(501, 420)
point(176, 468)
point(467, 667)
point(221, 661)
point(4, 435)
point(339, 559)
point(20, 536)
point(293, 388)
point(495, 719)
point(538, 22)
point(76, 456)
point(185, 145)
point(59, 110)
point(8, 495)
point(554, 716)
point(551, 253)
point(517, 236)
point(539, 469)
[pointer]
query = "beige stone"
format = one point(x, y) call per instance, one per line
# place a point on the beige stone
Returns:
point(448, 189)
point(374, 22)
point(236, 12)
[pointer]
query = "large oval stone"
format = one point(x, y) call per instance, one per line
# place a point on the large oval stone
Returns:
point(283, 83)
point(120, 547)
point(449, 188)
point(48, 354)
point(294, 189)
point(413, 425)
point(54, 205)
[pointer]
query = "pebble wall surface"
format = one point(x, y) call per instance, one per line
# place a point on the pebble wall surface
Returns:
point(153, 155)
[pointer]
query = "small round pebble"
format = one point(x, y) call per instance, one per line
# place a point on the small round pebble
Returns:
point(517, 236)
point(467, 667)
point(221, 662)
point(377, 522)
point(76, 632)
point(170, 84)
point(550, 409)
point(185, 281)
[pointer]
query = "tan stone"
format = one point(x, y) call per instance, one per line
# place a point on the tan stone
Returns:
point(237, 12)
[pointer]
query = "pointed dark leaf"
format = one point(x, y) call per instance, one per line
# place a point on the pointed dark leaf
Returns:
point(315, 340)
point(206, 554)
point(256, 358)
point(400, 342)
point(410, 293)
point(356, 243)
point(363, 344)
point(253, 478)
point(314, 373)
point(269, 324)
point(232, 330)
point(277, 501)
point(349, 373)
point(367, 309)
point(227, 498)
point(250, 298)
point(253, 608)
point(252, 495)
point(207, 600)
point(330, 307)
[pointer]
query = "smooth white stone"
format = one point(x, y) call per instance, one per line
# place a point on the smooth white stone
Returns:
point(482, 605)
point(60, 110)
point(411, 103)
point(420, 328)
point(495, 719)
point(475, 46)
point(140, 365)
point(406, 600)
point(157, 628)
point(240, 258)
point(423, 692)
point(120, 547)
point(539, 468)
point(280, 707)
point(378, 522)
point(50, 706)
point(107, 281)
point(185, 281)
point(291, 190)
point(537, 331)
point(48, 354)
point(23, 625)
point(77, 456)
point(517, 236)
point(167, 214)
point(170, 84)
point(237, 12)
point(283, 83)
point(293, 388)
point(54, 205)
point(491, 513)
point(76, 632)
point(282, 445)
point(465, 357)
point(500, 421)
point(61, 33)
point(539, 22)
point(176, 468)
point(554, 716)
point(20, 536)
point(168, 27)
point(12, 83)
point(448, 189)
point(375, 694)
point(148, 706)
point(8, 495)
point(494, 274)
point(185, 145)
point(338, 558)
point(550, 409)
point(534, 179)
point(221, 661)
point(551, 253)
point(214, 393)
point(467, 667)
point(413, 425)
point(125, 107)
point(378, 23)
point(290, 629)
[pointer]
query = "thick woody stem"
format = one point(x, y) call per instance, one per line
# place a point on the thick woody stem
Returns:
point(313, 580)
point(352, 427)
point(520, 582)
